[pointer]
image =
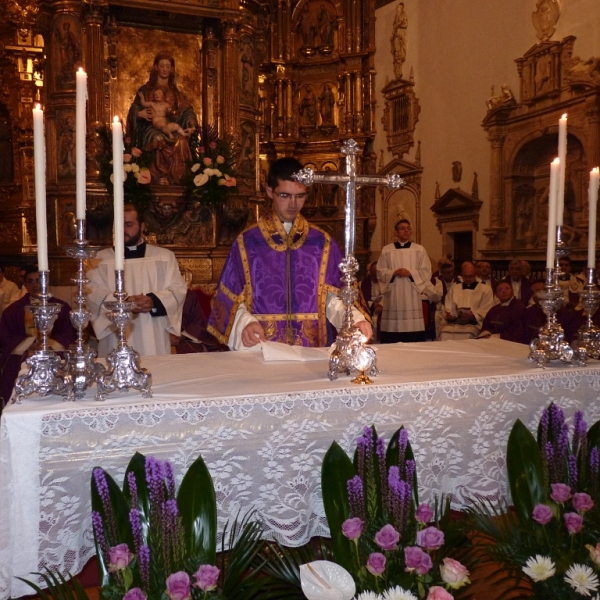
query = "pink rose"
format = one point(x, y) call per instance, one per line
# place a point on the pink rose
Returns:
point(582, 502)
point(454, 573)
point(136, 152)
point(594, 553)
point(438, 593)
point(200, 149)
point(376, 563)
point(118, 558)
point(542, 514)
point(207, 161)
point(220, 159)
point(430, 538)
point(417, 560)
point(560, 492)
point(352, 528)
point(134, 594)
point(574, 522)
point(212, 145)
point(178, 586)
point(143, 176)
point(424, 514)
point(387, 538)
point(207, 577)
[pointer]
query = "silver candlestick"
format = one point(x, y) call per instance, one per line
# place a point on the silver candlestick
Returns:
point(124, 371)
point(80, 369)
point(44, 375)
point(587, 343)
point(550, 343)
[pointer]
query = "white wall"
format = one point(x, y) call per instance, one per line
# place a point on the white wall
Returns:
point(459, 49)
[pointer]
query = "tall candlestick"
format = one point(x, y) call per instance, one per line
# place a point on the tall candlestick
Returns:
point(562, 155)
point(80, 134)
point(552, 212)
point(593, 200)
point(117, 136)
point(39, 159)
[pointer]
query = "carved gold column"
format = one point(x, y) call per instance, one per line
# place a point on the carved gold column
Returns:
point(280, 107)
point(210, 52)
point(279, 32)
point(93, 60)
point(230, 100)
point(289, 108)
point(349, 104)
point(496, 204)
point(592, 117)
point(349, 24)
point(359, 102)
point(357, 25)
point(287, 30)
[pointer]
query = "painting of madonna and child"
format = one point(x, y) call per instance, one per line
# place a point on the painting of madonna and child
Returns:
point(161, 117)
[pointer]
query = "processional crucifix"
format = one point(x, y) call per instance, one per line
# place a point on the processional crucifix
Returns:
point(350, 353)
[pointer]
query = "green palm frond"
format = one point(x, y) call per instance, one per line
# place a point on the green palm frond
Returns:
point(59, 587)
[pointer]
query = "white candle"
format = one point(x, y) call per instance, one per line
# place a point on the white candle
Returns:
point(562, 155)
point(39, 160)
point(80, 134)
point(117, 135)
point(593, 200)
point(552, 212)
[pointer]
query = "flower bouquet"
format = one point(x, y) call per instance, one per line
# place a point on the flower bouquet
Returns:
point(394, 547)
point(136, 174)
point(211, 176)
point(154, 543)
point(548, 545)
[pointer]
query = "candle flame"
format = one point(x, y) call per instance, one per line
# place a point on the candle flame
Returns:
point(38, 106)
point(115, 119)
point(595, 170)
point(556, 161)
point(563, 117)
point(80, 70)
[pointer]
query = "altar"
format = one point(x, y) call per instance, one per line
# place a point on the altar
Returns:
point(263, 429)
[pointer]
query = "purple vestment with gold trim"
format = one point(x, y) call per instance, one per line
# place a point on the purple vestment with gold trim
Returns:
point(282, 279)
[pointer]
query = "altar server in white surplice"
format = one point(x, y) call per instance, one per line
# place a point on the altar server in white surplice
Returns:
point(404, 272)
point(152, 280)
point(466, 305)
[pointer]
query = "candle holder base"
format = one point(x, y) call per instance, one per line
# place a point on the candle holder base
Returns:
point(44, 376)
point(587, 342)
point(80, 370)
point(362, 379)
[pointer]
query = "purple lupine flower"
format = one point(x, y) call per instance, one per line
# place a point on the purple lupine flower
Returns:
point(579, 431)
point(136, 529)
point(356, 497)
point(573, 472)
point(410, 471)
point(102, 486)
point(544, 422)
point(360, 449)
point(133, 488)
point(144, 562)
point(404, 498)
point(98, 526)
point(394, 502)
point(551, 466)
point(155, 479)
point(171, 517)
point(170, 479)
point(380, 450)
point(594, 464)
point(402, 443)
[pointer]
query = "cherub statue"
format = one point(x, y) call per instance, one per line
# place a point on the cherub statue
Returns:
point(159, 105)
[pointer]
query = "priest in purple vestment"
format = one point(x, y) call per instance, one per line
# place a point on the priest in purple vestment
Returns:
point(281, 278)
point(18, 335)
point(506, 318)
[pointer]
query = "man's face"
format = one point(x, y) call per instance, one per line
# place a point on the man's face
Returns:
point(132, 229)
point(504, 292)
point(468, 273)
point(447, 272)
point(403, 232)
point(515, 271)
point(536, 287)
point(32, 284)
point(484, 270)
point(565, 267)
point(288, 199)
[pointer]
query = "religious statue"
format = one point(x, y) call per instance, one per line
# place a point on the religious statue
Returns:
point(398, 40)
point(247, 60)
point(308, 28)
point(162, 125)
point(308, 108)
point(66, 148)
point(456, 171)
point(545, 17)
point(542, 74)
point(506, 98)
point(70, 54)
point(326, 103)
point(326, 26)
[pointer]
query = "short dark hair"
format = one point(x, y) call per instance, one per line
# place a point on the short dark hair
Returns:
point(28, 269)
point(137, 210)
point(282, 169)
point(402, 221)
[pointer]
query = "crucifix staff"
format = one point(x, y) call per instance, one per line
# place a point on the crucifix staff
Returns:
point(350, 353)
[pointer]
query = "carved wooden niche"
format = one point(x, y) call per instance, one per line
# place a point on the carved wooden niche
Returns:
point(400, 116)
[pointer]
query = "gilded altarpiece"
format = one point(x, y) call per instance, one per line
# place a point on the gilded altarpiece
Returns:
point(524, 140)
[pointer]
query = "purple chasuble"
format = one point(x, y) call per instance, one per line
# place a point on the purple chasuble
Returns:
point(282, 279)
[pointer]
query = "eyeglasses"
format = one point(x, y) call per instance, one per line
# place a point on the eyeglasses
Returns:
point(285, 196)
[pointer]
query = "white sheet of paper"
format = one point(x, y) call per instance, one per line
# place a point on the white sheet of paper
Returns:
point(273, 351)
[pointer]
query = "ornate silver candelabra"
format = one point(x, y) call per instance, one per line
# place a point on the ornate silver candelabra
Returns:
point(80, 369)
point(550, 343)
point(587, 344)
point(124, 371)
point(44, 375)
point(350, 353)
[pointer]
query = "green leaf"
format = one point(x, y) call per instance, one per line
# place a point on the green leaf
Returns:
point(593, 435)
point(392, 457)
point(525, 472)
point(198, 509)
point(337, 469)
point(137, 466)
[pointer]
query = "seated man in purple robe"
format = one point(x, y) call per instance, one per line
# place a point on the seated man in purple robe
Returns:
point(19, 337)
point(504, 320)
point(534, 318)
point(281, 278)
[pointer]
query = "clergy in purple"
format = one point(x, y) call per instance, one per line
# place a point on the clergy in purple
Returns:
point(281, 278)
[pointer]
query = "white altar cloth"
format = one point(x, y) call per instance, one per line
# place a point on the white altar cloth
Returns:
point(263, 429)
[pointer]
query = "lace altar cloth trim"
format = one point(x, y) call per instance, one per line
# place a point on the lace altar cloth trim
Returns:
point(264, 453)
